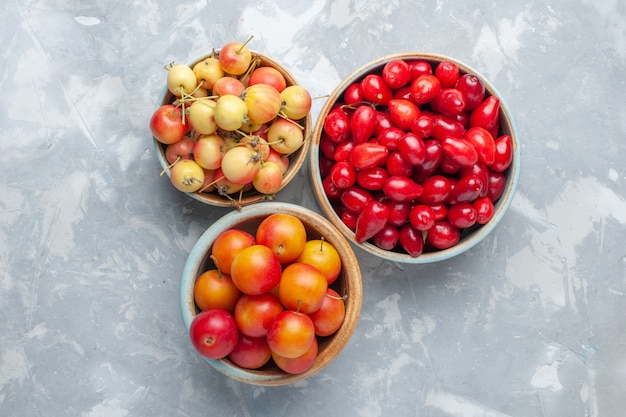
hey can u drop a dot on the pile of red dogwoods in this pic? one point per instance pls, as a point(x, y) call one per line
point(412, 154)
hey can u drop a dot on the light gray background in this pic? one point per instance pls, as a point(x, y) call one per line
point(92, 242)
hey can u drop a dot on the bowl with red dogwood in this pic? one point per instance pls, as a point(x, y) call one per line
point(415, 157)
point(232, 127)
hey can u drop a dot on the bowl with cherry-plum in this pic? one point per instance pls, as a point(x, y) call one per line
point(231, 128)
point(270, 294)
point(415, 157)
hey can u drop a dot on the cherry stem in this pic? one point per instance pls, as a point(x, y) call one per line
point(168, 167)
point(334, 297)
point(246, 43)
point(253, 65)
point(211, 184)
point(354, 106)
point(217, 265)
point(284, 116)
point(181, 89)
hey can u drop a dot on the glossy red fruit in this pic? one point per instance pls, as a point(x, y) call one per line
point(462, 215)
point(412, 149)
point(343, 174)
point(374, 90)
point(411, 240)
point(372, 178)
point(422, 217)
point(425, 88)
point(397, 165)
point(472, 89)
point(434, 155)
point(325, 165)
point(436, 190)
point(371, 220)
point(327, 146)
point(383, 122)
point(503, 153)
point(484, 209)
point(449, 102)
point(448, 165)
point(362, 123)
point(367, 155)
point(466, 189)
point(355, 198)
point(353, 95)
point(349, 219)
point(448, 73)
point(483, 142)
point(440, 210)
point(343, 150)
point(396, 73)
point(446, 126)
point(403, 92)
point(481, 171)
point(496, 186)
point(398, 212)
point(423, 125)
point(463, 118)
point(461, 151)
point(330, 189)
point(337, 125)
point(403, 112)
point(419, 67)
point(400, 188)
point(390, 137)
point(486, 114)
point(443, 235)
point(387, 238)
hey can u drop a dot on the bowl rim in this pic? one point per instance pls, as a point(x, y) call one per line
point(195, 261)
point(501, 206)
point(250, 198)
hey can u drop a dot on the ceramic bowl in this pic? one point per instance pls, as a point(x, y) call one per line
point(296, 159)
point(471, 236)
point(347, 284)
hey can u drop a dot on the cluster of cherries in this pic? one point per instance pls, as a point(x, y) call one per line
point(271, 296)
point(412, 154)
point(232, 125)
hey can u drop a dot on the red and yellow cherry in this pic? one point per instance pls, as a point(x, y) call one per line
point(214, 333)
point(302, 287)
point(299, 364)
point(235, 58)
point(330, 316)
point(167, 124)
point(291, 334)
point(256, 269)
point(214, 289)
point(255, 313)
point(250, 352)
point(284, 234)
point(323, 256)
point(227, 245)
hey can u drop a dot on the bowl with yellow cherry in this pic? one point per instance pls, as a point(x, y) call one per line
point(232, 127)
